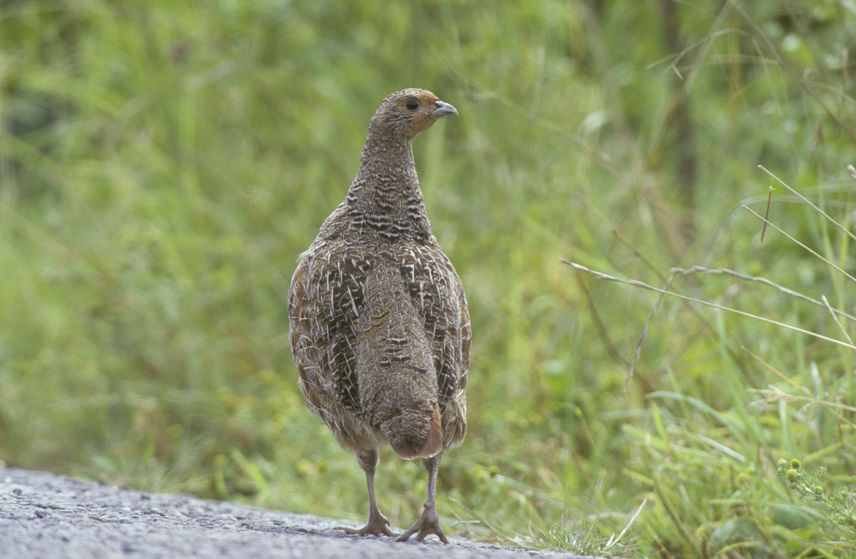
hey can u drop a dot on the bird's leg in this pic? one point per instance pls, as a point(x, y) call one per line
point(429, 522)
point(377, 524)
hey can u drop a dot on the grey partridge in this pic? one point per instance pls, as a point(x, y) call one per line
point(380, 330)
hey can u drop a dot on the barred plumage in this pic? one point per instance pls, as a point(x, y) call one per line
point(380, 330)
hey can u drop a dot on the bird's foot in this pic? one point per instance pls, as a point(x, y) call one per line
point(377, 525)
point(428, 523)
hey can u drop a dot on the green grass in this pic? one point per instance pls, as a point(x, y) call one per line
point(162, 165)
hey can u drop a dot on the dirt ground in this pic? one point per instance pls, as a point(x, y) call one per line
point(47, 516)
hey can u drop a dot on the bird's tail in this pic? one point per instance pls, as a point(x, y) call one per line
point(395, 370)
point(407, 444)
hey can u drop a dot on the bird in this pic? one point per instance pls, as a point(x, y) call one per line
point(379, 325)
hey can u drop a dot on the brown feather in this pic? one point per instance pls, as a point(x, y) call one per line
point(434, 443)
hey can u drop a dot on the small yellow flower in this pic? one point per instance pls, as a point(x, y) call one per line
point(305, 468)
point(481, 473)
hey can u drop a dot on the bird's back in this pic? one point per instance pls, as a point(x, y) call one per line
point(380, 333)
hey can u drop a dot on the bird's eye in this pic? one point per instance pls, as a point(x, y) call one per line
point(412, 104)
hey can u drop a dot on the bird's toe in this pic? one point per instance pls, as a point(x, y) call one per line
point(378, 526)
point(428, 523)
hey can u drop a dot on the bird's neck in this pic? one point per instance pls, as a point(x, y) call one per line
point(385, 195)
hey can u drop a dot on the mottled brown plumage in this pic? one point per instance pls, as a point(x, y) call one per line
point(380, 330)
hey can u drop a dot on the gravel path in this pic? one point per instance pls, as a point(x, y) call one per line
point(47, 516)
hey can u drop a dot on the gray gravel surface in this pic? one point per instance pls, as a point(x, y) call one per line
point(44, 515)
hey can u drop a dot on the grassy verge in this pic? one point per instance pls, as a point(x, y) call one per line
point(719, 476)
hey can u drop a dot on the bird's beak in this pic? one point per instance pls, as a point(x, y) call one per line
point(443, 109)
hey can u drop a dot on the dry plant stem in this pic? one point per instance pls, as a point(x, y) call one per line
point(809, 202)
point(802, 245)
point(705, 253)
point(712, 271)
point(638, 353)
point(643, 285)
point(615, 539)
point(766, 214)
point(668, 281)
point(777, 372)
point(835, 318)
point(760, 33)
point(599, 326)
point(765, 281)
point(774, 394)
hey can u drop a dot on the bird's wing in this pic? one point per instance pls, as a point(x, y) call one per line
point(466, 332)
point(437, 293)
point(323, 303)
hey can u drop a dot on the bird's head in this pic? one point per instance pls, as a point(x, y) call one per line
point(408, 112)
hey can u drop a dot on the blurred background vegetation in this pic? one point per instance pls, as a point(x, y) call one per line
point(163, 163)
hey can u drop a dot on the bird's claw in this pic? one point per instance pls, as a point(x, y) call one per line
point(428, 523)
point(377, 526)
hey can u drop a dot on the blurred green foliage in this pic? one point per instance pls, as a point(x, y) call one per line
point(162, 164)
